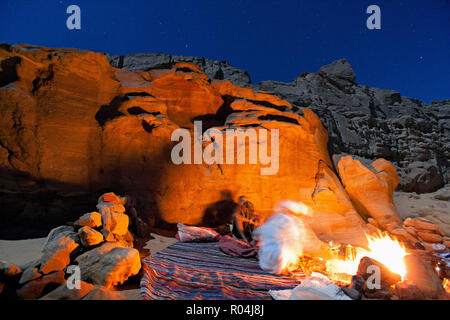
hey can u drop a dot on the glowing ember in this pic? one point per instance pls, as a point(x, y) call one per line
point(382, 248)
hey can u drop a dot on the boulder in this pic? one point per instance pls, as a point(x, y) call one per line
point(111, 197)
point(408, 291)
point(90, 219)
point(100, 293)
point(39, 287)
point(421, 224)
point(108, 265)
point(61, 244)
point(114, 222)
point(90, 237)
point(64, 293)
point(104, 207)
point(429, 237)
point(371, 189)
point(404, 235)
point(8, 270)
point(423, 275)
point(29, 274)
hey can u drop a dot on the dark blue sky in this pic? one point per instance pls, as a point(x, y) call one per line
point(274, 40)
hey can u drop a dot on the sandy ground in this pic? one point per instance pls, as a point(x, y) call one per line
point(434, 206)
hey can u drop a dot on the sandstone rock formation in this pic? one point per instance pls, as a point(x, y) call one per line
point(153, 61)
point(109, 265)
point(368, 122)
point(376, 123)
point(73, 124)
point(371, 189)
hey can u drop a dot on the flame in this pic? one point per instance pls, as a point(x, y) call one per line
point(381, 247)
point(446, 285)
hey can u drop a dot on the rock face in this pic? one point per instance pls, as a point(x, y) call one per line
point(219, 70)
point(108, 264)
point(363, 121)
point(376, 123)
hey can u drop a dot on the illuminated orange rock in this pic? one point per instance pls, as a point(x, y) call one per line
point(90, 219)
point(61, 243)
point(108, 265)
point(37, 288)
point(64, 293)
point(371, 190)
point(186, 95)
point(227, 88)
point(423, 275)
point(90, 237)
point(48, 114)
point(75, 124)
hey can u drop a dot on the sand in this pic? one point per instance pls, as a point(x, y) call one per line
point(426, 205)
point(21, 252)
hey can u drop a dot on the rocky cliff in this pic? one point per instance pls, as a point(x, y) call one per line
point(74, 124)
point(362, 121)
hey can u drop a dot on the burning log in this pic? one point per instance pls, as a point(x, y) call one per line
point(424, 276)
point(387, 277)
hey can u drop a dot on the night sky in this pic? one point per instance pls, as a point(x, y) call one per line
point(272, 40)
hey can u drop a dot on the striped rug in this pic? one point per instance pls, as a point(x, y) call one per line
point(202, 271)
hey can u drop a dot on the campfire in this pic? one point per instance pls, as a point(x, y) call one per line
point(396, 272)
point(382, 248)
